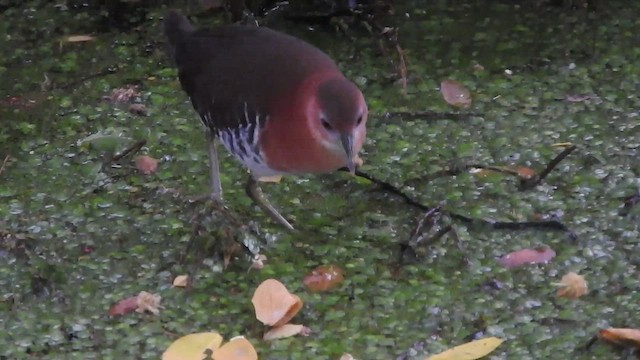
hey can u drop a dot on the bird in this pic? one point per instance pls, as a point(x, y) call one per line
point(279, 105)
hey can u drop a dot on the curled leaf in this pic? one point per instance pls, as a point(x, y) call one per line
point(285, 331)
point(621, 336)
point(238, 348)
point(274, 304)
point(193, 346)
point(527, 256)
point(323, 278)
point(455, 93)
point(573, 286)
point(181, 281)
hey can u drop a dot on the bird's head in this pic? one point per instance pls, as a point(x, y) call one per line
point(339, 118)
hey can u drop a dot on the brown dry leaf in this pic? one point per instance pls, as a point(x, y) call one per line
point(455, 93)
point(193, 346)
point(573, 286)
point(285, 331)
point(148, 302)
point(181, 281)
point(79, 38)
point(469, 351)
point(527, 256)
point(323, 278)
point(621, 336)
point(274, 304)
point(124, 306)
point(138, 109)
point(237, 348)
point(146, 164)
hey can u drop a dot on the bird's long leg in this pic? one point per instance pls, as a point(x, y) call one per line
point(255, 193)
point(214, 167)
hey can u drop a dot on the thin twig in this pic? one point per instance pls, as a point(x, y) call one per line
point(497, 225)
point(130, 150)
point(431, 115)
point(4, 164)
point(107, 71)
point(553, 163)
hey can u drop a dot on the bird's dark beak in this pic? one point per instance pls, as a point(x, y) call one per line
point(347, 144)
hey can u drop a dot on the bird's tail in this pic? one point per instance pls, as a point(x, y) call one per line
point(176, 26)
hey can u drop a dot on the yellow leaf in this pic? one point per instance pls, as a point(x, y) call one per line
point(193, 346)
point(79, 38)
point(469, 351)
point(237, 348)
point(562, 144)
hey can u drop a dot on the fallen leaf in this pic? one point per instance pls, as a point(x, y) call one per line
point(124, 94)
point(181, 281)
point(469, 351)
point(237, 348)
point(455, 93)
point(138, 109)
point(562, 144)
point(621, 336)
point(146, 164)
point(148, 302)
point(573, 286)
point(524, 172)
point(79, 38)
point(527, 256)
point(193, 346)
point(323, 278)
point(124, 306)
point(285, 331)
point(274, 304)
point(258, 262)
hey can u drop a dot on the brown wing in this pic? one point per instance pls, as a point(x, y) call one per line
point(234, 73)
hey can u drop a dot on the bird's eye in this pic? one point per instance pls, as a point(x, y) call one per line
point(359, 121)
point(326, 124)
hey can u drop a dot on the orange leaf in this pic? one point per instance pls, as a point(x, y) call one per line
point(455, 93)
point(237, 348)
point(573, 286)
point(274, 304)
point(527, 256)
point(621, 336)
point(525, 173)
point(323, 278)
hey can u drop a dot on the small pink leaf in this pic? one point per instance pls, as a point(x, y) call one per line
point(455, 93)
point(527, 256)
point(146, 164)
